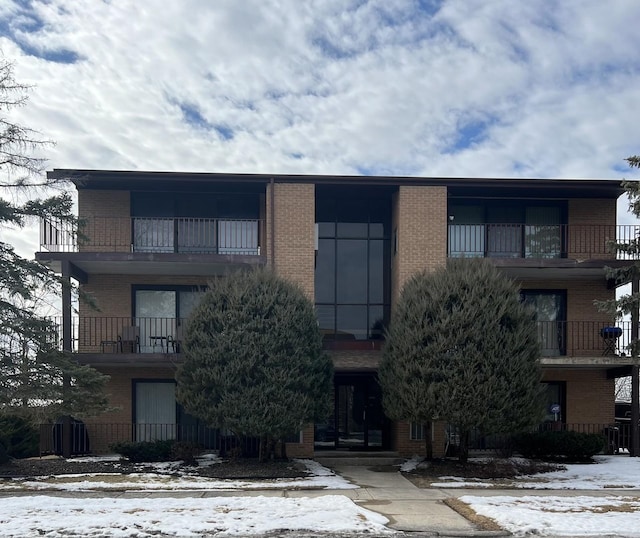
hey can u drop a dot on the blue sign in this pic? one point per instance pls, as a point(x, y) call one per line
point(555, 408)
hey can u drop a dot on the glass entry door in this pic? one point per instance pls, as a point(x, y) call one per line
point(358, 422)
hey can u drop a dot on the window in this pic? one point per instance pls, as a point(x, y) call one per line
point(195, 222)
point(416, 432)
point(549, 308)
point(507, 229)
point(555, 401)
point(159, 312)
point(352, 267)
point(154, 410)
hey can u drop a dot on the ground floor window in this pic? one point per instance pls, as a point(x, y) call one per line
point(157, 415)
point(416, 433)
point(154, 410)
point(555, 401)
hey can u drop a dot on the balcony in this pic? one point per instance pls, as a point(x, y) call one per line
point(155, 235)
point(145, 335)
point(540, 241)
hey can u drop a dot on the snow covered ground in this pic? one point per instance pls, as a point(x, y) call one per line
point(170, 476)
point(613, 508)
point(608, 472)
point(580, 515)
point(617, 514)
point(61, 516)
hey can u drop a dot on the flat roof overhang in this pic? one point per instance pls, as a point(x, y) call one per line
point(557, 268)
point(457, 186)
point(141, 263)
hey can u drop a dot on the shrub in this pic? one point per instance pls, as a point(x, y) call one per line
point(568, 445)
point(4, 455)
point(186, 451)
point(18, 438)
point(144, 451)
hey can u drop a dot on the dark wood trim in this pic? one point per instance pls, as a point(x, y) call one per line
point(596, 188)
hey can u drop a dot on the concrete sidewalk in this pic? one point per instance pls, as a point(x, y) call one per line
point(407, 507)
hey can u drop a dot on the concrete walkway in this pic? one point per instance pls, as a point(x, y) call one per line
point(407, 507)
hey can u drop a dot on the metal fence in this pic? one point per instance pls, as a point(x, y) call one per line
point(617, 435)
point(540, 241)
point(88, 438)
point(106, 334)
point(189, 235)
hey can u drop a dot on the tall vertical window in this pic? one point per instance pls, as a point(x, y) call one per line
point(352, 267)
point(159, 311)
point(550, 313)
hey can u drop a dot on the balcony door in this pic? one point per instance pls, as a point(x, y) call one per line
point(159, 312)
point(550, 313)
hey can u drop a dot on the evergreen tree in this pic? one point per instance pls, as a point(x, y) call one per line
point(629, 303)
point(254, 362)
point(462, 348)
point(37, 381)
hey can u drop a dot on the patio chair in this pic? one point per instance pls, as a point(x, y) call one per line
point(129, 339)
point(176, 341)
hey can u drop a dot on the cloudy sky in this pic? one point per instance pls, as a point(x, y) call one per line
point(489, 88)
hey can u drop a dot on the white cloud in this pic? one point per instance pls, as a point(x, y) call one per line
point(473, 88)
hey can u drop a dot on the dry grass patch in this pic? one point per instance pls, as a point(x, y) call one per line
point(483, 522)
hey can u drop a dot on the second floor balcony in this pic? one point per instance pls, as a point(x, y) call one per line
point(145, 335)
point(580, 241)
point(187, 235)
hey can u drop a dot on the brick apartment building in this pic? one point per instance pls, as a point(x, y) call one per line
point(150, 241)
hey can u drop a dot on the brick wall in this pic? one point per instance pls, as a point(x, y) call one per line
point(590, 395)
point(303, 449)
point(406, 447)
point(294, 223)
point(419, 222)
point(107, 216)
point(112, 293)
point(591, 225)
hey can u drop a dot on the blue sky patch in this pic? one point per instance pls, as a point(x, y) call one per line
point(331, 50)
point(193, 117)
point(470, 133)
point(29, 22)
point(225, 132)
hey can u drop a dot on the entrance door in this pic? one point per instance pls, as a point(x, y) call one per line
point(358, 422)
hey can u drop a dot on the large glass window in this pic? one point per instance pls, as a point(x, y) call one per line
point(352, 267)
point(506, 229)
point(549, 308)
point(155, 410)
point(159, 314)
point(195, 222)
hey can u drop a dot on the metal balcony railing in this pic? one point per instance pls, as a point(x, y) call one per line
point(580, 241)
point(97, 438)
point(187, 235)
point(165, 335)
point(125, 334)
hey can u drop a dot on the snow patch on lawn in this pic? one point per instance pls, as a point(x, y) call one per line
point(61, 516)
point(566, 516)
point(607, 472)
point(176, 477)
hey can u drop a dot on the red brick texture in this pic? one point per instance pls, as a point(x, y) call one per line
point(294, 231)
